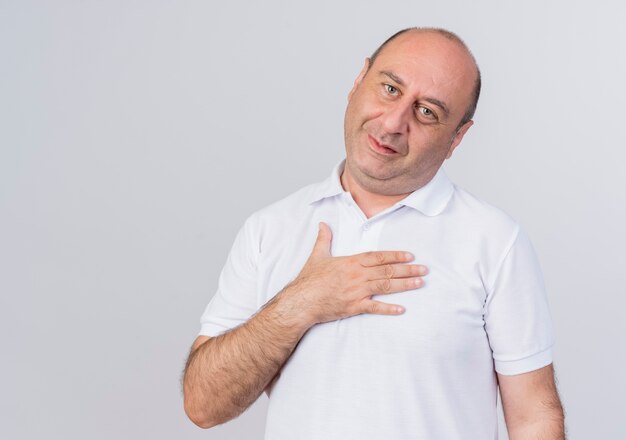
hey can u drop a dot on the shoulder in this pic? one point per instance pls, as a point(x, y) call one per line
point(490, 225)
point(284, 213)
point(480, 213)
point(494, 235)
point(295, 202)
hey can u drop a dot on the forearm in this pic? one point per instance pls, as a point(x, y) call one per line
point(532, 406)
point(226, 374)
point(543, 430)
point(550, 426)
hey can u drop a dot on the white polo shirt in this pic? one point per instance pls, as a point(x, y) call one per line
point(426, 374)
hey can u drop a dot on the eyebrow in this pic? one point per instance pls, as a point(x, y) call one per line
point(442, 105)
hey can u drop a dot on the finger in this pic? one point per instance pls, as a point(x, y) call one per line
point(380, 287)
point(379, 258)
point(373, 307)
point(324, 240)
point(388, 271)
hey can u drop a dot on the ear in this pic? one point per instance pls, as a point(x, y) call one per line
point(458, 137)
point(358, 80)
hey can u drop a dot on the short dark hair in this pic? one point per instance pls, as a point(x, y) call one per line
point(469, 113)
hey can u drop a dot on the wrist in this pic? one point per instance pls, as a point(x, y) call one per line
point(290, 311)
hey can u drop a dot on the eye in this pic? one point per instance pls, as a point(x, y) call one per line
point(426, 112)
point(390, 89)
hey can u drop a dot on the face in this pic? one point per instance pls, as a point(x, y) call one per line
point(403, 114)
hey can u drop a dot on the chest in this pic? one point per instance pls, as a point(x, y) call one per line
point(447, 312)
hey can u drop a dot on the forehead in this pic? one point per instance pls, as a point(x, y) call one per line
point(428, 62)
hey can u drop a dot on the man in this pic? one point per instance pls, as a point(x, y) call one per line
point(416, 299)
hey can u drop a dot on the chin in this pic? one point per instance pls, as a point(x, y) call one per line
point(381, 187)
point(371, 168)
point(371, 177)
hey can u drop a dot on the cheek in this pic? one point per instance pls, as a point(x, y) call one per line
point(426, 145)
point(363, 108)
point(351, 116)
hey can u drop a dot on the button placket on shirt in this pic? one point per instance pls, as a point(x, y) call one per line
point(370, 232)
point(371, 228)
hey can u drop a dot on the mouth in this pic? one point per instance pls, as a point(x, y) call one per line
point(381, 148)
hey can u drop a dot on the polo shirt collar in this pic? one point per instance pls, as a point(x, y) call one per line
point(331, 186)
point(430, 200)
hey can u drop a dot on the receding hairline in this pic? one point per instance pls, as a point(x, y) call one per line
point(451, 36)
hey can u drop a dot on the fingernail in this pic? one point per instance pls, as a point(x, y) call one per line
point(399, 309)
point(408, 255)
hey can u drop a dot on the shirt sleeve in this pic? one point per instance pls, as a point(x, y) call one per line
point(517, 316)
point(235, 300)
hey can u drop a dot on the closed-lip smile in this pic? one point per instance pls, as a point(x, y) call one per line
point(381, 148)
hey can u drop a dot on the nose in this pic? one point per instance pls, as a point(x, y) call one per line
point(395, 118)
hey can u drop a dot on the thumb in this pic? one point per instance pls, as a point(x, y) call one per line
point(324, 239)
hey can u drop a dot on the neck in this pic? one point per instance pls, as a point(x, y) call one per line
point(370, 203)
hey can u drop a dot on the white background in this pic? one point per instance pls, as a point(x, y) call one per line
point(136, 137)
